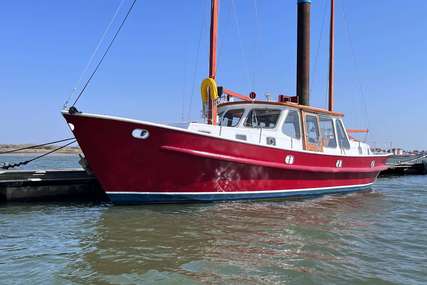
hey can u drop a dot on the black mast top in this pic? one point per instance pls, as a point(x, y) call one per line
point(303, 52)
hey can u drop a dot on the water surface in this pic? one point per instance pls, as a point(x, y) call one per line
point(372, 237)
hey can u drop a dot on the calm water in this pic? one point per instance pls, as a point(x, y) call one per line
point(374, 237)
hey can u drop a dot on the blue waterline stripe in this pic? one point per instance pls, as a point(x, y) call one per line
point(144, 198)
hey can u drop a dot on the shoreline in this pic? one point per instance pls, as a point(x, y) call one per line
point(39, 153)
point(40, 150)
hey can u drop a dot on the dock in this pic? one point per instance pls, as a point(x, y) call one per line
point(49, 185)
point(79, 185)
point(404, 165)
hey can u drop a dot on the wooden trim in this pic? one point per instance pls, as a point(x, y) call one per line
point(237, 95)
point(309, 146)
point(287, 104)
point(303, 132)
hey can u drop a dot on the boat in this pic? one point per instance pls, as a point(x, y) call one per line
point(244, 149)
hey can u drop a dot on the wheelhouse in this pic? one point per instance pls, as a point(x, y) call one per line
point(284, 125)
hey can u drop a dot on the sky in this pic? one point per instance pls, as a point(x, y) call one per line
point(155, 67)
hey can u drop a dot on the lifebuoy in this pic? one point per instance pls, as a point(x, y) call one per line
point(209, 86)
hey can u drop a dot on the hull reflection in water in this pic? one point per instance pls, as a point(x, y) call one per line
point(244, 243)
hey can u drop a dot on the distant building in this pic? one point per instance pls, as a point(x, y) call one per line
point(378, 150)
point(397, 151)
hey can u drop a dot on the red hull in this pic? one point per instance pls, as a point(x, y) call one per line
point(176, 161)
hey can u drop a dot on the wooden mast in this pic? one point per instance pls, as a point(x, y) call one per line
point(331, 57)
point(212, 107)
point(213, 38)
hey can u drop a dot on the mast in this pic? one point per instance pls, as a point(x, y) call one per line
point(331, 57)
point(212, 108)
point(303, 52)
point(213, 39)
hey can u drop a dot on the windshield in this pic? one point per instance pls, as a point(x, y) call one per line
point(291, 126)
point(312, 129)
point(328, 132)
point(262, 118)
point(231, 118)
point(342, 138)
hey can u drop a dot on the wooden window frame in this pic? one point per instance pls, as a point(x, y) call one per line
point(309, 146)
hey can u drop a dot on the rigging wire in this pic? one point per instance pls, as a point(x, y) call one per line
point(196, 66)
point(239, 36)
point(105, 52)
point(221, 36)
point(13, 165)
point(100, 41)
point(257, 41)
point(356, 67)
point(183, 91)
point(316, 58)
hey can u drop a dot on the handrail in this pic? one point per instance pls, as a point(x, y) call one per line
point(355, 131)
point(237, 95)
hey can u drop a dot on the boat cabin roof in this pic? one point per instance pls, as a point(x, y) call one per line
point(286, 104)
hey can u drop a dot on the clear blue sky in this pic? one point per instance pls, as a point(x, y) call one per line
point(153, 68)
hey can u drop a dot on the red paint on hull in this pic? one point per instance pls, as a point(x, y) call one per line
point(173, 160)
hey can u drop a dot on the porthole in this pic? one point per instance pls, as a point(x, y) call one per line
point(338, 164)
point(289, 159)
point(140, 134)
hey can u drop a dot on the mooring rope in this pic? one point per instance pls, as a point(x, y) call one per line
point(13, 165)
point(35, 146)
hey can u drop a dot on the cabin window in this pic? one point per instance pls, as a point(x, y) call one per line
point(342, 138)
point(328, 132)
point(312, 129)
point(220, 114)
point(291, 126)
point(232, 118)
point(262, 118)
